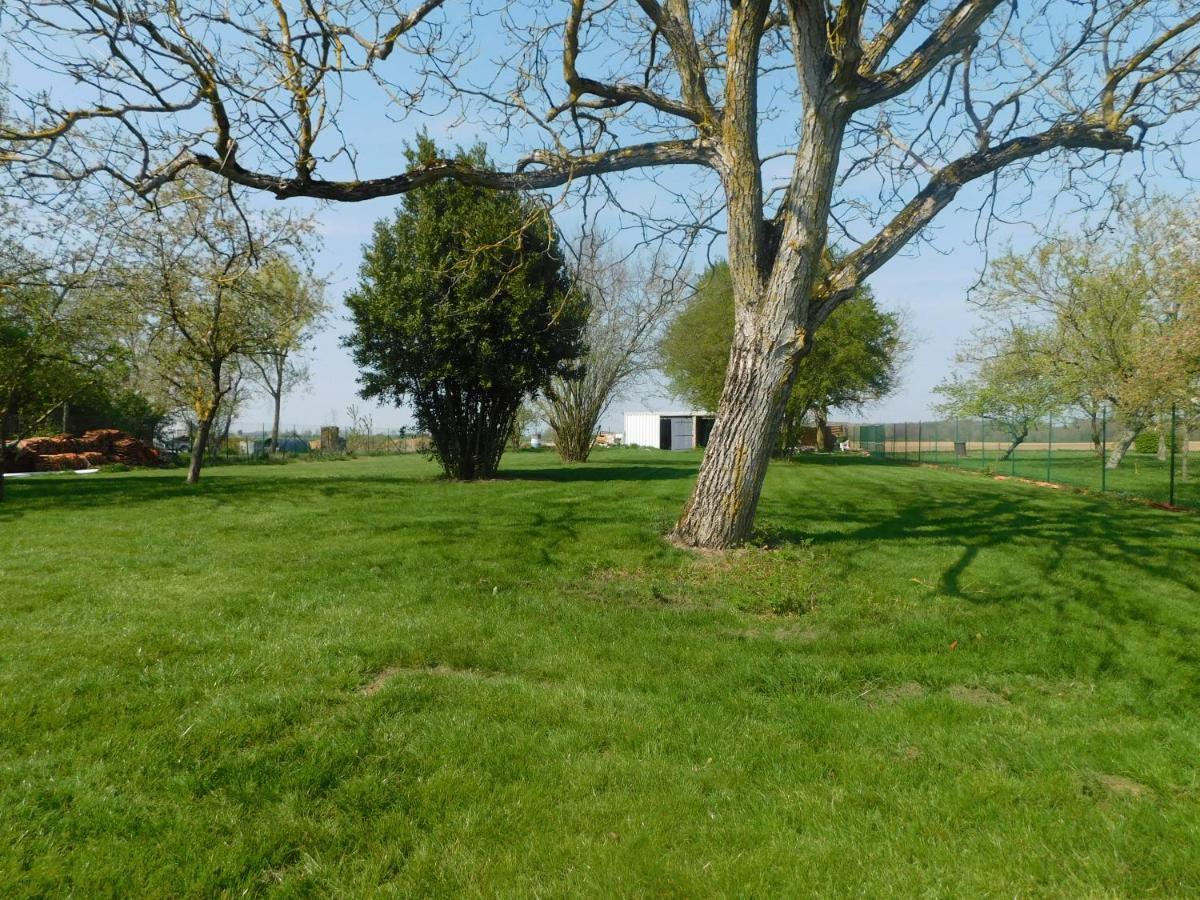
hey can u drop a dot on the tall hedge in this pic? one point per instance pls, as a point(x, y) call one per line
point(464, 309)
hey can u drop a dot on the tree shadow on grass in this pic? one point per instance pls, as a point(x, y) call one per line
point(1042, 530)
point(601, 472)
point(83, 493)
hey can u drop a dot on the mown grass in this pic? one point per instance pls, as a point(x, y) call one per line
point(352, 678)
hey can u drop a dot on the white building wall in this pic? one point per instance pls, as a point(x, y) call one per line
point(641, 428)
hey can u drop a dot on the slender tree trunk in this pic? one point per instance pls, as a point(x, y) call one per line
point(66, 417)
point(200, 445)
point(225, 427)
point(3, 450)
point(1097, 436)
point(575, 429)
point(1017, 441)
point(573, 444)
point(1187, 440)
point(277, 396)
point(825, 441)
point(1162, 443)
point(1122, 447)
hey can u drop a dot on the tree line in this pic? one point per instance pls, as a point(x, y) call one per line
point(147, 315)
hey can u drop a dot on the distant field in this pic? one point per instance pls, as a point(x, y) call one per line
point(353, 678)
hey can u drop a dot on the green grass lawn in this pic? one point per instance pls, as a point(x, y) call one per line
point(353, 678)
point(1140, 475)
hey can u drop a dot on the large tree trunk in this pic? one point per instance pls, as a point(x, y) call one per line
point(1097, 434)
point(771, 328)
point(200, 445)
point(720, 512)
point(1122, 447)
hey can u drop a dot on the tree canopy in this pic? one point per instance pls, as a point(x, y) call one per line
point(853, 361)
point(1010, 381)
point(199, 268)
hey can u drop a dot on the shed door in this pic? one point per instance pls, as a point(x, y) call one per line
point(664, 434)
point(681, 433)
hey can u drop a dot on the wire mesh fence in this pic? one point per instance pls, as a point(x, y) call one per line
point(1159, 464)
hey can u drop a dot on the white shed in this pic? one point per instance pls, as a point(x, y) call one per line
point(668, 430)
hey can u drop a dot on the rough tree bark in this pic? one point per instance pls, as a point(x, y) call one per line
point(771, 314)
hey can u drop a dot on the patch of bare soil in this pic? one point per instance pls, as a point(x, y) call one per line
point(977, 696)
point(792, 633)
point(1125, 787)
point(380, 680)
point(897, 693)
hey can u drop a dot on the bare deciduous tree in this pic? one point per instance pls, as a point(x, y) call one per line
point(629, 299)
point(886, 110)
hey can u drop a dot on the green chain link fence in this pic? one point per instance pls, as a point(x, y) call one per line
point(1160, 464)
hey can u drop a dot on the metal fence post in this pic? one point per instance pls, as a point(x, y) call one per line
point(982, 444)
point(919, 426)
point(1174, 419)
point(1103, 448)
point(1049, 443)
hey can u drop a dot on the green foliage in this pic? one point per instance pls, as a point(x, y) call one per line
point(54, 346)
point(853, 360)
point(464, 309)
point(1146, 442)
point(111, 405)
point(1009, 380)
point(438, 689)
point(695, 346)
